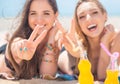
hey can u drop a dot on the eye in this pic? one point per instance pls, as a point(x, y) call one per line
point(46, 13)
point(81, 17)
point(95, 12)
point(32, 13)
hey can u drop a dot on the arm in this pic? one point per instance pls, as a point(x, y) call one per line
point(103, 63)
point(48, 65)
point(116, 45)
point(104, 59)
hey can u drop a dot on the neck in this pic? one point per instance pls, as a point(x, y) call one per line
point(94, 48)
point(93, 42)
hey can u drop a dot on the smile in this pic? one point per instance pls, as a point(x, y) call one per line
point(41, 26)
point(92, 27)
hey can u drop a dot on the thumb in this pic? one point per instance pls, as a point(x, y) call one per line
point(60, 44)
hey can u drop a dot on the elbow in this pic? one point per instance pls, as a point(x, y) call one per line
point(101, 77)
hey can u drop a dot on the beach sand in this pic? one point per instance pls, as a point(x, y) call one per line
point(6, 26)
point(40, 81)
point(36, 81)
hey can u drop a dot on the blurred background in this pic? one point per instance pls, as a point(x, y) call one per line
point(9, 10)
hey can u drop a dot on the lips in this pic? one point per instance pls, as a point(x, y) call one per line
point(41, 26)
point(92, 27)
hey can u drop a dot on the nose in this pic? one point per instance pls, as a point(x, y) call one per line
point(39, 20)
point(88, 17)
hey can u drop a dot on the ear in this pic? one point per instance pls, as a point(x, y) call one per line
point(56, 15)
point(105, 16)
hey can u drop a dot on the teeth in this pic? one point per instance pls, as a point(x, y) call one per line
point(90, 26)
point(41, 26)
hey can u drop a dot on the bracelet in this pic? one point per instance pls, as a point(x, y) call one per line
point(49, 46)
point(46, 53)
point(52, 48)
point(49, 61)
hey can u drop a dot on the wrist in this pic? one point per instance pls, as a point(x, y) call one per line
point(105, 43)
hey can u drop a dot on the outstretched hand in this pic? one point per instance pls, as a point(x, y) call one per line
point(69, 40)
point(60, 33)
point(27, 47)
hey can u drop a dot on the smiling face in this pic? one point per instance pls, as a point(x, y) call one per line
point(91, 19)
point(42, 14)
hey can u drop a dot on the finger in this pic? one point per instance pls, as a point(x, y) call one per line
point(70, 41)
point(54, 24)
point(53, 32)
point(60, 44)
point(72, 29)
point(104, 31)
point(110, 28)
point(59, 26)
point(19, 49)
point(22, 45)
point(40, 37)
point(34, 33)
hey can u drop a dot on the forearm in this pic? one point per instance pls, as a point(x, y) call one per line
point(48, 65)
point(103, 63)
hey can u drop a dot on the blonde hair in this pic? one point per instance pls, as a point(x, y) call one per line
point(81, 35)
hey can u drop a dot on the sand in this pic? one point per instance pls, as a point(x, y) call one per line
point(40, 81)
point(36, 81)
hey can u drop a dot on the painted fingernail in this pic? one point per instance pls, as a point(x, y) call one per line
point(20, 49)
point(25, 48)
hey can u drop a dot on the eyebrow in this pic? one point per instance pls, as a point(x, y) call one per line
point(43, 11)
point(31, 11)
point(89, 10)
point(47, 11)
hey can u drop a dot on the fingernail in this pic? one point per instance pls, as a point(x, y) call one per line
point(20, 49)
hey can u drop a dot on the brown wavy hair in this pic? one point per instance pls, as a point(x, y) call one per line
point(27, 69)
